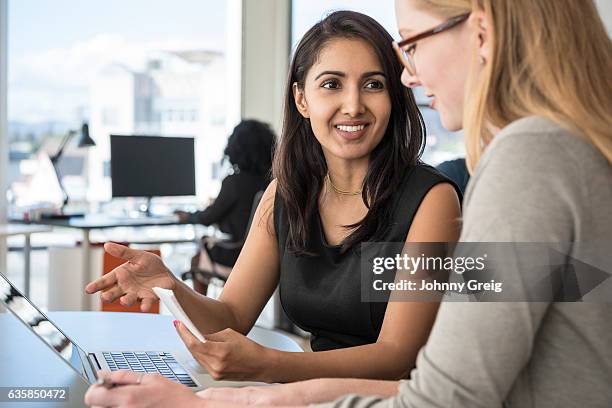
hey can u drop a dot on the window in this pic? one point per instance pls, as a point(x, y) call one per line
point(120, 66)
point(441, 144)
point(128, 67)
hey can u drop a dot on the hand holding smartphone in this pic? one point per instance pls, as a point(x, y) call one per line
point(171, 302)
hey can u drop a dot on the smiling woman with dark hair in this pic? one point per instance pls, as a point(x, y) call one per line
point(356, 135)
point(347, 171)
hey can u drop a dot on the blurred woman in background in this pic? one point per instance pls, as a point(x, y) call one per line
point(249, 150)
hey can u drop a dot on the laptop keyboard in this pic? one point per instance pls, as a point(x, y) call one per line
point(151, 362)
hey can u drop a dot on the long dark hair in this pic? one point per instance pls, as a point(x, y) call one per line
point(299, 165)
point(250, 147)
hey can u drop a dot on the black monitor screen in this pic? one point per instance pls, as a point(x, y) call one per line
point(152, 166)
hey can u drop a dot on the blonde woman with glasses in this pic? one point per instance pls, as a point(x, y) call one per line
point(530, 83)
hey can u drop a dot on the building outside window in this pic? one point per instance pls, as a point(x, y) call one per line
point(147, 67)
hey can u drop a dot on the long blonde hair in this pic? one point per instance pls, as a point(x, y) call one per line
point(551, 58)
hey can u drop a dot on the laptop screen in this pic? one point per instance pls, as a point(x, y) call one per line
point(39, 324)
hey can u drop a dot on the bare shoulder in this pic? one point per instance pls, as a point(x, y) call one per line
point(270, 191)
point(265, 210)
point(441, 197)
point(438, 218)
point(267, 199)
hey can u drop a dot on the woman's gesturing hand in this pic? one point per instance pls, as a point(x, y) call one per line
point(133, 280)
point(228, 355)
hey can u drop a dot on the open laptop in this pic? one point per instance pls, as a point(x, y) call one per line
point(180, 369)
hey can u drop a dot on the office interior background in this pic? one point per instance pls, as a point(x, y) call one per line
point(181, 68)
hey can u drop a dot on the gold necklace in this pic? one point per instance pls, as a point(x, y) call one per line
point(343, 192)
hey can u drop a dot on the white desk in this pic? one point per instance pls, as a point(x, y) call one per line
point(7, 230)
point(26, 361)
point(94, 222)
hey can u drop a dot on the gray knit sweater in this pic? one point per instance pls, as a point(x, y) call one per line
point(536, 182)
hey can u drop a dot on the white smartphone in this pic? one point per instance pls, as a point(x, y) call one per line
point(171, 302)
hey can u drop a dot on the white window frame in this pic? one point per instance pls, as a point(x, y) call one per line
point(4, 156)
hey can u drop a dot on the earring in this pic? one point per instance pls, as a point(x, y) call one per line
point(482, 60)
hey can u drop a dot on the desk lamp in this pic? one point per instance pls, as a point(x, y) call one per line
point(84, 141)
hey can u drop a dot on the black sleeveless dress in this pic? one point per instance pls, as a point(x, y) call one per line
point(322, 294)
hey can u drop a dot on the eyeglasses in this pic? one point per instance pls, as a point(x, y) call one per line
point(405, 48)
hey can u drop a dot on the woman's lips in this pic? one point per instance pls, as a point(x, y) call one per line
point(432, 104)
point(351, 135)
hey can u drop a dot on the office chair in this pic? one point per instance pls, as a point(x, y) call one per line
point(201, 277)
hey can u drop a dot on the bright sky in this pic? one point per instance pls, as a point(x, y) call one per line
point(308, 12)
point(56, 47)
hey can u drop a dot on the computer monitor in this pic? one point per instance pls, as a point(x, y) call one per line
point(152, 166)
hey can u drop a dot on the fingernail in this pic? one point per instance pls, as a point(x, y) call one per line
point(176, 323)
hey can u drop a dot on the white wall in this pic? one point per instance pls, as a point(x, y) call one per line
point(266, 43)
point(605, 10)
point(233, 60)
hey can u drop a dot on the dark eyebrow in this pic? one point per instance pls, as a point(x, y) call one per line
point(337, 73)
point(342, 74)
point(372, 73)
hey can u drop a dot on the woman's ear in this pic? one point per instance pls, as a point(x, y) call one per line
point(484, 30)
point(300, 100)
